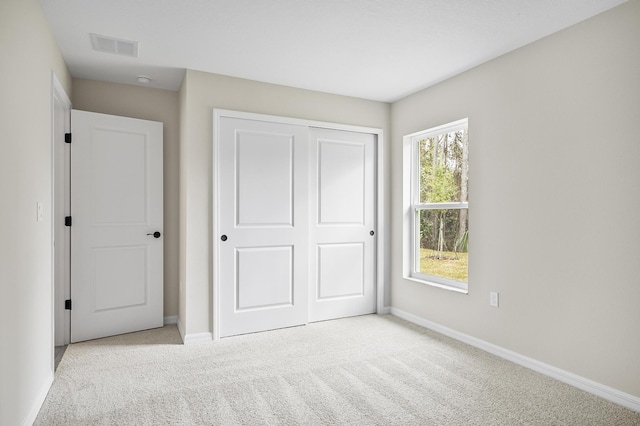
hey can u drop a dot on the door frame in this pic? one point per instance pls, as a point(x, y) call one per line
point(60, 206)
point(218, 114)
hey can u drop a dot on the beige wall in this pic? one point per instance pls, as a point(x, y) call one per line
point(200, 94)
point(554, 199)
point(29, 55)
point(148, 104)
point(554, 194)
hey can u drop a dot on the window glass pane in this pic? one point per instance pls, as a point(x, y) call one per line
point(443, 162)
point(443, 243)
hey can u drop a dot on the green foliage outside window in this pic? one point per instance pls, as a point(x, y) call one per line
point(444, 236)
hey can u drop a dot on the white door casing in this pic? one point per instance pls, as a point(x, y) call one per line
point(263, 227)
point(61, 207)
point(116, 206)
point(342, 231)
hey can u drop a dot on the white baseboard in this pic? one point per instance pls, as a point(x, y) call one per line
point(385, 311)
point(197, 337)
point(171, 320)
point(188, 339)
point(610, 394)
point(37, 404)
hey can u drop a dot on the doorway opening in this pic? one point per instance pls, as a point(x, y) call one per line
point(60, 202)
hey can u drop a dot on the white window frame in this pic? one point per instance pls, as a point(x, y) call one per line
point(412, 207)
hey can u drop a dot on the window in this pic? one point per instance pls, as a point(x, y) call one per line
point(438, 208)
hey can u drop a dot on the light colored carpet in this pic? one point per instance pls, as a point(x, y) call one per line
point(369, 370)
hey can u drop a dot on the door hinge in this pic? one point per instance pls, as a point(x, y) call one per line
point(67, 304)
point(67, 137)
point(67, 221)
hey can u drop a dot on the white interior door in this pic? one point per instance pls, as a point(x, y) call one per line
point(342, 231)
point(263, 224)
point(116, 207)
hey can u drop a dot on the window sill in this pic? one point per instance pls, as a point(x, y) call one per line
point(436, 284)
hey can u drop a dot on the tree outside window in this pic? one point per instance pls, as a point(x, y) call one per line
point(440, 205)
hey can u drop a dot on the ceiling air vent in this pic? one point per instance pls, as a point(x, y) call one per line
point(114, 45)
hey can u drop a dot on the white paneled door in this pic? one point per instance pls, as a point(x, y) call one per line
point(296, 224)
point(116, 228)
point(263, 226)
point(342, 230)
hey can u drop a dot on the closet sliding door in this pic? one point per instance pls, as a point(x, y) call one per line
point(263, 217)
point(342, 226)
point(295, 228)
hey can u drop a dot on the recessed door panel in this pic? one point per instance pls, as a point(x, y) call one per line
point(264, 278)
point(340, 270)
point(341, 182)
point(264, 178)
point(119, 180)
point(120, 277)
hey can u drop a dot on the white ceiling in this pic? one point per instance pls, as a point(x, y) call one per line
point(373, 49)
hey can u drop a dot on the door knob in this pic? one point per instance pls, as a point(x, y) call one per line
point(372, 233)
point(156, 234)
point(223, 238)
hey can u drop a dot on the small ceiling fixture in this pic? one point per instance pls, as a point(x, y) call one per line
point(143, 79)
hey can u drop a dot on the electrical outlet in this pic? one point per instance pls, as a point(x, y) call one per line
point(493, 299)
point(40, 210)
